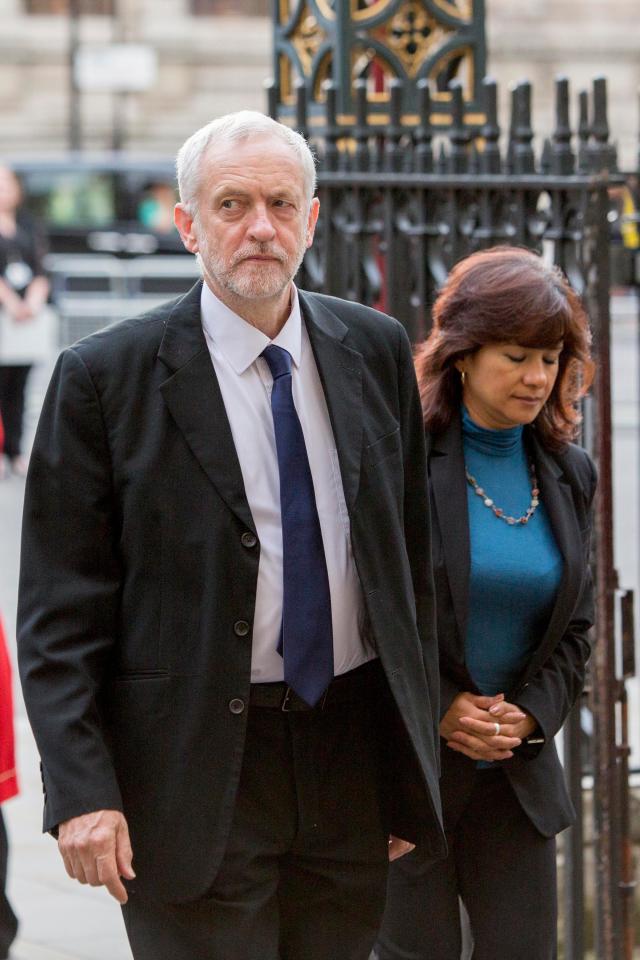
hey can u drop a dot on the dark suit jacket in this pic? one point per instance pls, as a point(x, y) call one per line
point(555, 675)
point(137, 589)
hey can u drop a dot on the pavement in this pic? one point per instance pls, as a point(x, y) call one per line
point(61, 920)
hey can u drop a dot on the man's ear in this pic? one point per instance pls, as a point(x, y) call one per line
point(185, 224)
point(314, 210)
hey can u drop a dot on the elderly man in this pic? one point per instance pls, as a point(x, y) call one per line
point(226, 614)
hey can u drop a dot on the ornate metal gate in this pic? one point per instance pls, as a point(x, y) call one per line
point(401, 201)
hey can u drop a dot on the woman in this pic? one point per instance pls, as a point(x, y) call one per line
point(23, 294)
point(500, 375)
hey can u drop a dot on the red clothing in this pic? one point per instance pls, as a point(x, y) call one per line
point(8, 773)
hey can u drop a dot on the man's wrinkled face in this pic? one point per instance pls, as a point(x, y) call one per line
point(254, 221)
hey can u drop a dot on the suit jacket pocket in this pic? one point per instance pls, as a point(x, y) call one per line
point(383, 448)
point(139, 708)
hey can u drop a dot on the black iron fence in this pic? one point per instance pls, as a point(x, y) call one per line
point(399, 207)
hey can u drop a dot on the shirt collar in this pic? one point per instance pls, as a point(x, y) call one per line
point(239, 342)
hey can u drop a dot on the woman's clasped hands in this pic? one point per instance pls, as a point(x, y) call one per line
point(485, 728)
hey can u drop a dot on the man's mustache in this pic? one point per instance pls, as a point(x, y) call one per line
point(260, 251)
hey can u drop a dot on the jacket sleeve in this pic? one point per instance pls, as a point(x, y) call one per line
point(69, 595)
point(417, 521)
point(551, 692)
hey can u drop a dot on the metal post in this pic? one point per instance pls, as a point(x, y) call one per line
point(606, 833)
point(573, 842)
point(627, 881)
point(75, 120)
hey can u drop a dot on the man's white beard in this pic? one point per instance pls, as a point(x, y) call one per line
point(252, 280)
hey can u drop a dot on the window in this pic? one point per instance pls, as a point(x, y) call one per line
point(246, 8)
point(48, 7)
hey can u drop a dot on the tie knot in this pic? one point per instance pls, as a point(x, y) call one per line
point(279, 360)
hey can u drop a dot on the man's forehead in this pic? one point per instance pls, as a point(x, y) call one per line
point(227, 153)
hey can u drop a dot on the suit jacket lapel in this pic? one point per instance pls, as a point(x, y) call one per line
point(340, 370)
point(193, 396)
point(556, 495)
point(446, 467)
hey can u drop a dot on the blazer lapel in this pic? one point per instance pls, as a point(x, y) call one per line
point(193, 396)
point(448, 483)
point(340, 370)
point(556, 495)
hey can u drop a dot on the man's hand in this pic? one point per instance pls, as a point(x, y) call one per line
point(398, 847)
point(484, 728)
point(96, 850)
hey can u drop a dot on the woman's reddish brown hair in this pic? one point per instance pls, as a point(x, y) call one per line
point(506, 295)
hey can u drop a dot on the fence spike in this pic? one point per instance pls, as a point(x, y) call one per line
point(301, 108)
point(361, 158)
point(332, 133)
point(392, 151)
point(584, 131)
point(490, 160)
point(599, 151)
point(523, 159)
point(562, 158)
point(459, 136)
point(273, 97)
point(424, 131)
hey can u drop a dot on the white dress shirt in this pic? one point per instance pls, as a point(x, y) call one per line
point(245, 383)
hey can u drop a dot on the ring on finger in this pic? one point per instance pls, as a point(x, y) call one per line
point(497, 726)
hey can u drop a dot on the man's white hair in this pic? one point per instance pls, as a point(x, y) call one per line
point(230, 129)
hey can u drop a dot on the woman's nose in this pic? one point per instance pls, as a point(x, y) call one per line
point(535, 373)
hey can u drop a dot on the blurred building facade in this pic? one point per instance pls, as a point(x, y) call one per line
point(213, 56)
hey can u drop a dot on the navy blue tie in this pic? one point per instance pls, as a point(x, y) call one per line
point(306, 634)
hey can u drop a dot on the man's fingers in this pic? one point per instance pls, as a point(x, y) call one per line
point(95, 849)
point(110, 878)
point(124, 853)
point(68, 865)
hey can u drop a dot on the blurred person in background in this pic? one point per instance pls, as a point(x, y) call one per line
point(500, 376)
point(24, 321)
point(8, 789)
point(156, 207)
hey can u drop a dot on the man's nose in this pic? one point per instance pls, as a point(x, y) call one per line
point(260, 226)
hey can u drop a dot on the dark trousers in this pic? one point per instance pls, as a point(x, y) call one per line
point(13, 381)
point(305, 868)
point(8, 919)
point(499, 865)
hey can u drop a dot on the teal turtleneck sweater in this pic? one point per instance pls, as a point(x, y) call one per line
point(515, 570)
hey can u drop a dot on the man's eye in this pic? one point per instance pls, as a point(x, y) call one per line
point(229, 204)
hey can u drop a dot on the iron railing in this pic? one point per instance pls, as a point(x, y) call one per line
point(399, 206)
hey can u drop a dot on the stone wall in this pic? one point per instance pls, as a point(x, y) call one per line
point(209, 66)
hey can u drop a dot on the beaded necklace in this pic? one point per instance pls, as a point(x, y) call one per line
point(498, 511)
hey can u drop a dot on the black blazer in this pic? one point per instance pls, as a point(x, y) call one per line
point(554, 677)
point(138, 588)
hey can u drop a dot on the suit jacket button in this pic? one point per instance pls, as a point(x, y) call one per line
point(236, 705)
point(248, 539)
point(241, 628)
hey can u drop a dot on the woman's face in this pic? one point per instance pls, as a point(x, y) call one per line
point(9, 191)
point(506, 385)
